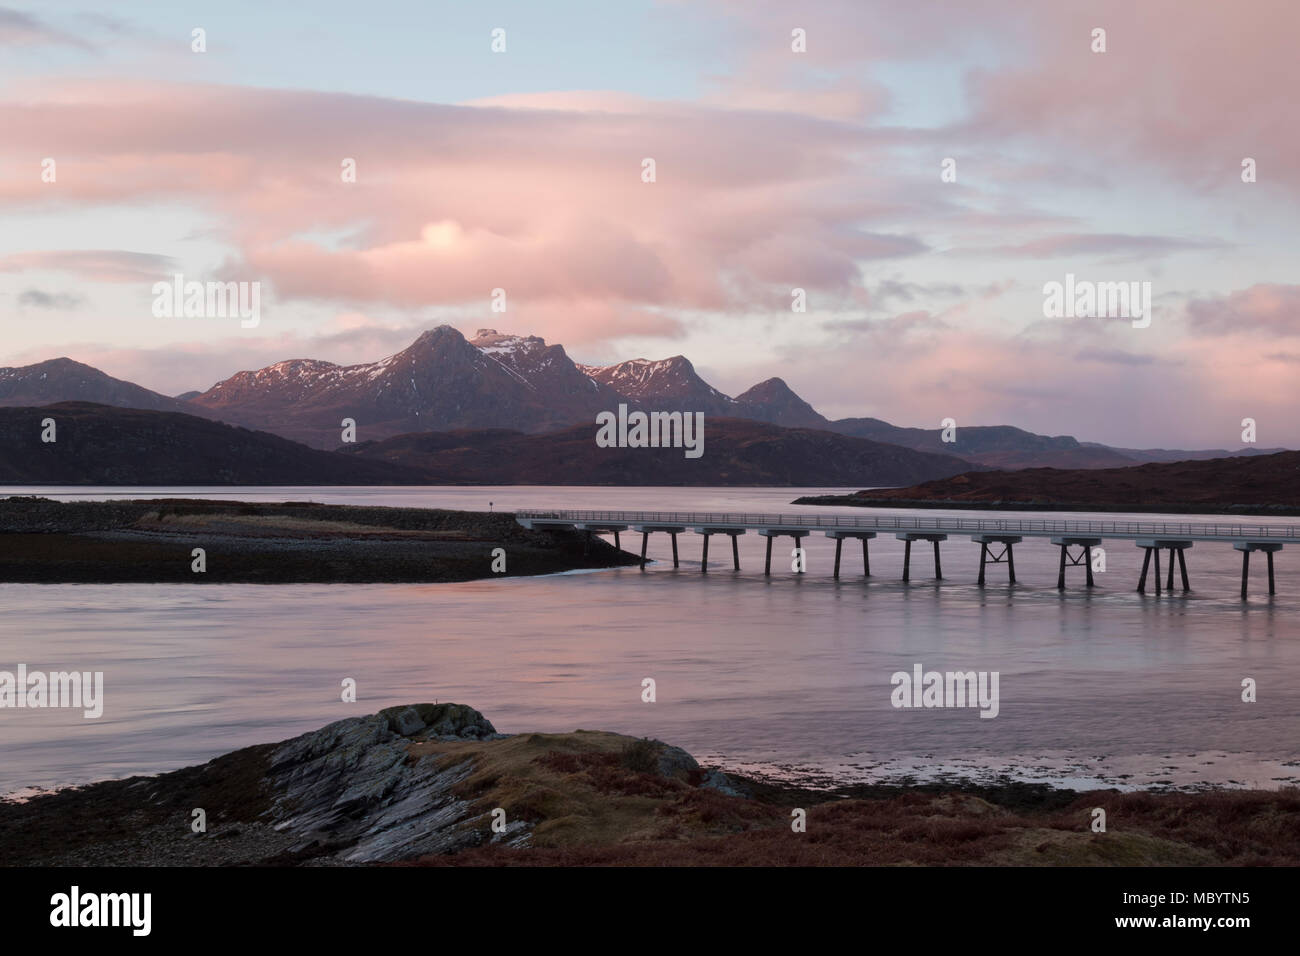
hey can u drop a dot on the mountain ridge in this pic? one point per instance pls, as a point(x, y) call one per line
point(443, 381)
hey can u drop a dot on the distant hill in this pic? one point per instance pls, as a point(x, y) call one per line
point(1249, 484)
point(101, 445)
point(736, 452)
point(774, 401)
point(999, 446)
point(1142, 455)
point(63, 380)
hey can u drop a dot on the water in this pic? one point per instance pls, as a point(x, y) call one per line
point(788, 675)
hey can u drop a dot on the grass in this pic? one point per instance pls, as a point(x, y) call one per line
point(594, 800)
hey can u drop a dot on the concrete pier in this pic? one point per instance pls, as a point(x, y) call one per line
point(649, 529)
point(839, 537)
point(1245, 547)
point(1084, 557)
point(1175, 547)
point(907, 537)
point(710, 531)
point(797, 533)
point(1007, 557)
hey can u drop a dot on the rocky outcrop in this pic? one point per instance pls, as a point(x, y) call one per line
point(411, 782)
point(354, 784)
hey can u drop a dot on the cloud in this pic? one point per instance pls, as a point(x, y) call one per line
point(95, 265)
point(1108, 244)
point(451, 202)
point(1187, 88)
point(1112, 357)
point(37, 299)
point(18, 29)
point(1266, 308)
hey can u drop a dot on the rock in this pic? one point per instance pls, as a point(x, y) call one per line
point(719, 781)
point(675, 762)
point(439, 720)
point(354, 784)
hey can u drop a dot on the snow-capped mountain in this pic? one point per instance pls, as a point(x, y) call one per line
point(495, 380)
point(547, 370)
point(672, 379)
point(444, 382)
point(441, 381)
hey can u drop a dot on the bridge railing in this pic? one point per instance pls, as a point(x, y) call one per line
point(1168, 529)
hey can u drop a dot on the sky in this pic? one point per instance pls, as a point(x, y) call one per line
point(796, 145)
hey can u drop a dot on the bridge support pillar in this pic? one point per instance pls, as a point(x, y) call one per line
point(649, 529)
point(907, 537)
point(1177, 548)
point(1245, 547)
point(1007, 556)
point(731, 531)
point(1071, 560)
point(797, 533)
point(839, 535)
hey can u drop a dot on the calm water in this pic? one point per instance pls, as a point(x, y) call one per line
point(784, 675)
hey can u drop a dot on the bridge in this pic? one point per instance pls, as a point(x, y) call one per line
point(989, 533)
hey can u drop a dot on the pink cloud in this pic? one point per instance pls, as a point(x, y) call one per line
point(452, 202)
point(97, 265)
point(1267, 308)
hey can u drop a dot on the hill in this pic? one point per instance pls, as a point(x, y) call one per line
point(1250, 484)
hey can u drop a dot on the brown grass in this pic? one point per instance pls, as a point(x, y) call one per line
point(593, 802)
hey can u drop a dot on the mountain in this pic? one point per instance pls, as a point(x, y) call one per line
point(736, 452)
point(1183, 454)
point(548, 371)
point(671, 381)
point(1246, 484)
point(775, 402)
point(999, 446)
point(440, 381)
point(101, 445)
point(496, 380)
point(63, 380)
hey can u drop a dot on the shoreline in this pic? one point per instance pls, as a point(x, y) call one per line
point(420, 785)
point(152, 541)
point(1245, 511)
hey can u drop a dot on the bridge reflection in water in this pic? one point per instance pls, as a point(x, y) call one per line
point(1076, 539)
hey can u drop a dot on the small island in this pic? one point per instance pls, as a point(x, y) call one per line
point(155, 541)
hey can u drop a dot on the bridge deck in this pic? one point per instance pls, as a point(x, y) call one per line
point(1029, 527)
